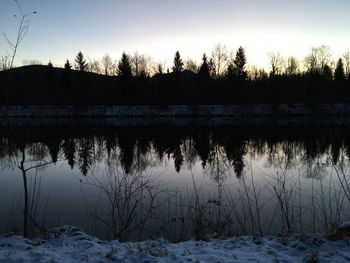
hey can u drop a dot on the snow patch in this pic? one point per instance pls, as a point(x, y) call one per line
point(70, 244)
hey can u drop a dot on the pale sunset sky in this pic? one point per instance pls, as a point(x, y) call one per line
point(158, 28)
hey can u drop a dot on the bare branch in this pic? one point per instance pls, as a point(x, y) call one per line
point(22, 31)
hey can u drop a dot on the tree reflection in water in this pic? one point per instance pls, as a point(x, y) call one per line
point(263, 177)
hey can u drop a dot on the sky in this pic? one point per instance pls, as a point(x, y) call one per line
point(158, 28)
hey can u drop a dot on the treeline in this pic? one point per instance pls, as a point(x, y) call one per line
point(221, 78)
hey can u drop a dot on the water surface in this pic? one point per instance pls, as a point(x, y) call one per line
point(176, 182)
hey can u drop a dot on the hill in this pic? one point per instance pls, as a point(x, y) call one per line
point(43, 85)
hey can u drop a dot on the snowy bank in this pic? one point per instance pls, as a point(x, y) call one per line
point(177, 115)
point(177, 110)
point(69, 244)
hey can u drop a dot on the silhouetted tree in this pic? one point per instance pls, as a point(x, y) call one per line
point(67, 65)
point(94, 66)
point(80, 62)
point(346, 57)
point(178, 64)
point(219, 57)
point(67, 78)
point(327, 72)
point(5, 62)
point(124, 66)
point(159, 69)
point(204, 70)
point(191, 65)
point(318, 58)
point(339, 73)
point(276, 63)
point(292, 66)
point(23, 28)
point(50, 83)
point(231, 71)
point(139, 65)
point(240, 62)
point(107, 65)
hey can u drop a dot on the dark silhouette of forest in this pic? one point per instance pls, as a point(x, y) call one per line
point(215, 81)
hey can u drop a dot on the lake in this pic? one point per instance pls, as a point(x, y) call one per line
point(178, 182)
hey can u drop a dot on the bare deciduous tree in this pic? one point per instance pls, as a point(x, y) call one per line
point(140, 64)
point(5, 62)
point(114, 68)
point(292, 66)
point(318, 58)
point(128, 199)
point(23, 28)
point(190, 64)
point(219, 58)
point(28, 62)
point(277, 63)
point(346, 60)
point(94, 66)
point(255, 73)
point(107, 65)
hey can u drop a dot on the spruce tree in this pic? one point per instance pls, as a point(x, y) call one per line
point(204, 70)
point(231, 71)
point(67, 65)
point(327, 72)
point(178, 64)
point(80, 62)
point(339, 73)
point(124, 66)
point(240, 62)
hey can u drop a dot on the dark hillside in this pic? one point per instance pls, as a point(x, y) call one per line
point(44, 85)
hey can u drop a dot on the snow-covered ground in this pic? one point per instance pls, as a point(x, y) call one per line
point(70, 244)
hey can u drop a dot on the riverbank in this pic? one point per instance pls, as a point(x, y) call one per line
point(70, 244)
point(180, 115)
point(177, 110)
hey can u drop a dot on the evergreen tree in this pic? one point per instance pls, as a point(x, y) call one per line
point(50, 64)
point(231, 71)
point(80, 62)
point(327, 72)
point(124, 66)
point(67, 65)
point(204, 70)
point(339, 73)
point(240, 62)
point(67, 75)
point(178, 64)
